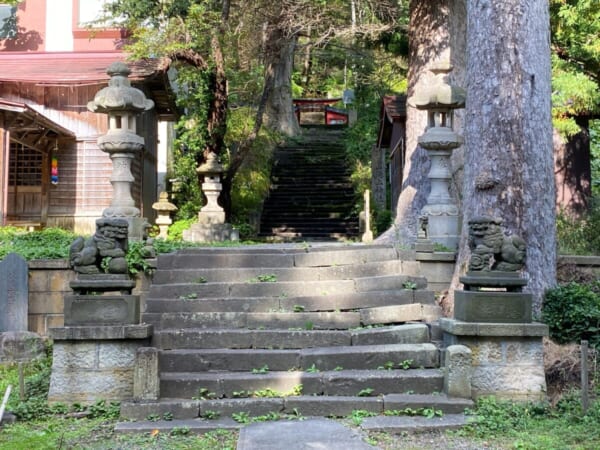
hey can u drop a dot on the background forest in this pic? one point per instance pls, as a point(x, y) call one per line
point(243, 62)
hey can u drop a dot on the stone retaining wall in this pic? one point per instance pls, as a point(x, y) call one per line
point(48, 284)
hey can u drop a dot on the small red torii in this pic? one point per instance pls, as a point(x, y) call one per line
point(332, 116)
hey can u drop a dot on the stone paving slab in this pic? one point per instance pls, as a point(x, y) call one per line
point(400, 424)
point(197, 426)
point(310, 434)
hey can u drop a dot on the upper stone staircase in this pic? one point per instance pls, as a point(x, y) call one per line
point(311, 196)
point(320, 330)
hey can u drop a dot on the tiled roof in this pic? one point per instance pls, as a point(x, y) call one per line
point(70, 67)
point(394, 106)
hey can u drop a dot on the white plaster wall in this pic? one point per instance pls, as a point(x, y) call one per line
point(59, 25)
point(161, 155)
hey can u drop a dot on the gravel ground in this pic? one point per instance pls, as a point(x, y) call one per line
point(430, 441)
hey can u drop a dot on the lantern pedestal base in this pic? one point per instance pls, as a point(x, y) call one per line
point(210, 233)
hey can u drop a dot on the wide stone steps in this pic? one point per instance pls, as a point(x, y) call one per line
point(320, 320)
point(281, 384)
point(314, 167)
point(178, 338)
point(303, 405)
point(354, 383)
point(293, 330)
point(320, 302)
point(277, 256)
point(389, 424)
point(318, 358)
point(391, 268)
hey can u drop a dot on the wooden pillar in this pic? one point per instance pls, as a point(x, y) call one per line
point(45, 188)
point(4, 166)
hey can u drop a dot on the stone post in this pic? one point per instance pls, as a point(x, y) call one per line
point(146, 379)
point(457, 374)
point(440, 100)
point(122, 103)
point(367, 236)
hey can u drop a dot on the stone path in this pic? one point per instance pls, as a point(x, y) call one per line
point(309, 434)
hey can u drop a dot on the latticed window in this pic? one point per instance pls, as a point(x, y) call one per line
point(25, 166)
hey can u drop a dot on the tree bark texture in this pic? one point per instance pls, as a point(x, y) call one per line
point(436, 31)
point(279, 64)
point(509, 171)
point(573, 170)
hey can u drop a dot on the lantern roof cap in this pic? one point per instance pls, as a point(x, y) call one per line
point(211, 165)
point(440, 94)
point(119, 95)
point(163, 203)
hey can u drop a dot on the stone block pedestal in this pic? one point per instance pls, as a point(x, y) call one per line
point(215, 232)
point(492, 307)
point(101, 309)
point(93, 363)
point(507, 358)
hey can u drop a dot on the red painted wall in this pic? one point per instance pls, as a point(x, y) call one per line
point(31, 37)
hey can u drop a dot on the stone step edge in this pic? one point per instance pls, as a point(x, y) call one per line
point(409, 333)
point(414, 424)
point(387, 424)
point(332, 351)
point(337, 406)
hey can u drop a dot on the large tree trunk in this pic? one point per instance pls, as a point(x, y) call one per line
point(573, 170)
point(508, 169)
point(279, 64)
point(428, 42)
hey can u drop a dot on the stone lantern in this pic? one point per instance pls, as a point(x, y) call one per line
point(123, 104)
point(163, 208)
point(440, 99)
point(211, 226)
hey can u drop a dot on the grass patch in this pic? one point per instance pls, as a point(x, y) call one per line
point(536, 426)
point(59, 432)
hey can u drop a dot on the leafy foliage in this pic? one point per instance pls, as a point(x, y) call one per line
point(252, 181)
point(579, 235)
point(572, 312)
point(493, 417)
point(50, 243)
point(535, 426)
point(575, 25)
point(573, 93)
point(595, 157)
point(37, 382)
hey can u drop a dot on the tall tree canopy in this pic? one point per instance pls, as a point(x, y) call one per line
point(235, 40)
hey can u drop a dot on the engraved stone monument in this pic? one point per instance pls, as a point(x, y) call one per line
point(14, 293)
point(16, 343)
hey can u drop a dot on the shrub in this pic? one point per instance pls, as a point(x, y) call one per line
point(50, 243)
point(176, 230)
point(572, 312)
point(579, 235)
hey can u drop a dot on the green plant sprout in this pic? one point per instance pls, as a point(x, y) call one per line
point(261, 370)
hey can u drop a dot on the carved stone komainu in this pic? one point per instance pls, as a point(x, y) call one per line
point(491, 249)
point(104, 252)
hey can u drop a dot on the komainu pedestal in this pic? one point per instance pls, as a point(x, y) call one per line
point(95, 354)
point(492, 317)
point(478, 303)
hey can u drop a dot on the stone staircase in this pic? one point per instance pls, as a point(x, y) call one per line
point(311, 197)
point(291, 329)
